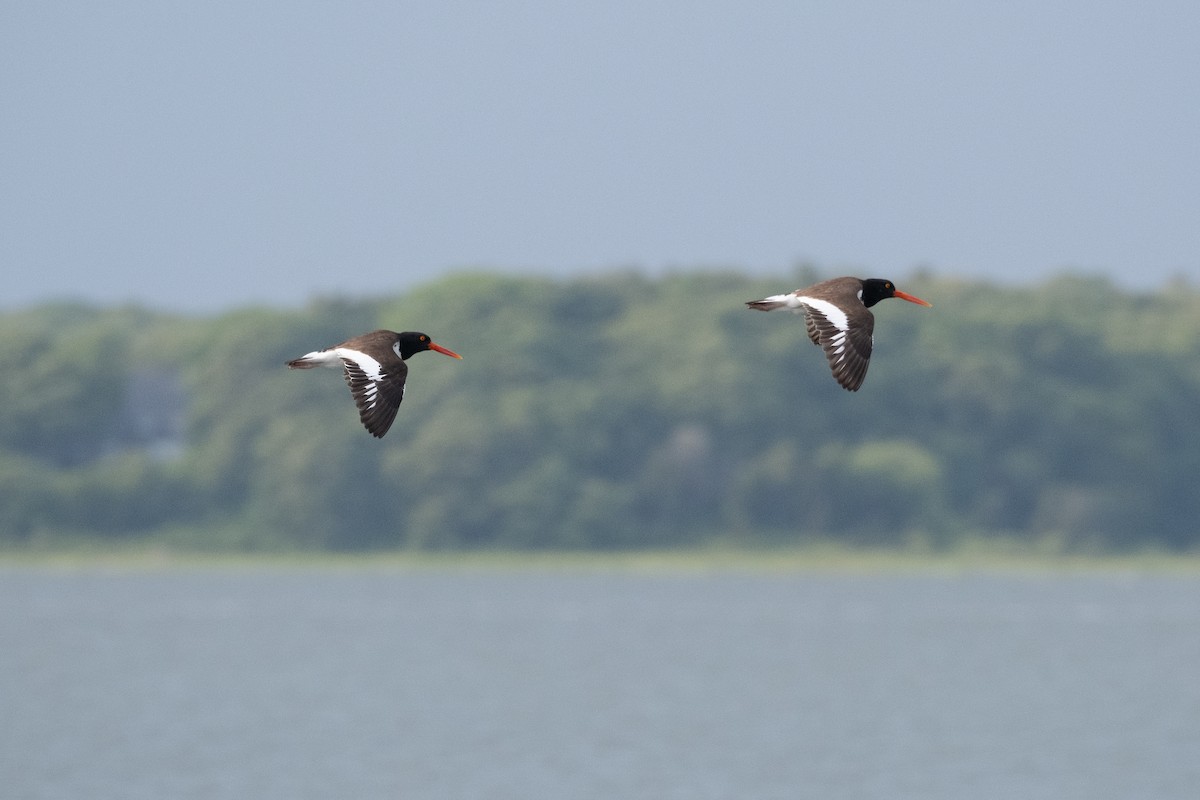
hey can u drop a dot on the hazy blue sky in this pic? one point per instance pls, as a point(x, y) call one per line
point(207, 154)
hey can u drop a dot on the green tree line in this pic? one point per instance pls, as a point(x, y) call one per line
point(613, 412)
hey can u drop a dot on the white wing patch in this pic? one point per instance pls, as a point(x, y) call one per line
point(835, 315)
point(837, 345)
point(370, 394)
point(370, 367)
point(377, 390)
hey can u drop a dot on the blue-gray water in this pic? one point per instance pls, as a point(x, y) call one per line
point(289, 683)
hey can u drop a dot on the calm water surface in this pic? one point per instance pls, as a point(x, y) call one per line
point(257, 682)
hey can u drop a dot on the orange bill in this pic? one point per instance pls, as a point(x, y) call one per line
point(911, 299)
point(446, 352)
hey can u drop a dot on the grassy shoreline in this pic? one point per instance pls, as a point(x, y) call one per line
point(806, 558)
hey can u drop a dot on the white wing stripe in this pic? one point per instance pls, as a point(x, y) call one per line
point(835, 315)
point(370, 367)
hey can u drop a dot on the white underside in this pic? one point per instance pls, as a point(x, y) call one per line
point(788, 301)
point(322, 358)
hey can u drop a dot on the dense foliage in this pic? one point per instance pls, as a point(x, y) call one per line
point(613, 412)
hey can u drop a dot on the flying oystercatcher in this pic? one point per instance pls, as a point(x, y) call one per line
point(835, 313)
point(375, 371)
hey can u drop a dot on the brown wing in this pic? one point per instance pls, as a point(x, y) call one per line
point(377, 399)
point(811, 326)
point(848, 351)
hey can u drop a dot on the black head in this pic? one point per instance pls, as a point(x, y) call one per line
point(876, 289)
point(411, 342)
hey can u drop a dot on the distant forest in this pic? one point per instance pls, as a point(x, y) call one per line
point(613, 412)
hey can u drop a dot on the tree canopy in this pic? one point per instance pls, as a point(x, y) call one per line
point(613, 412)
